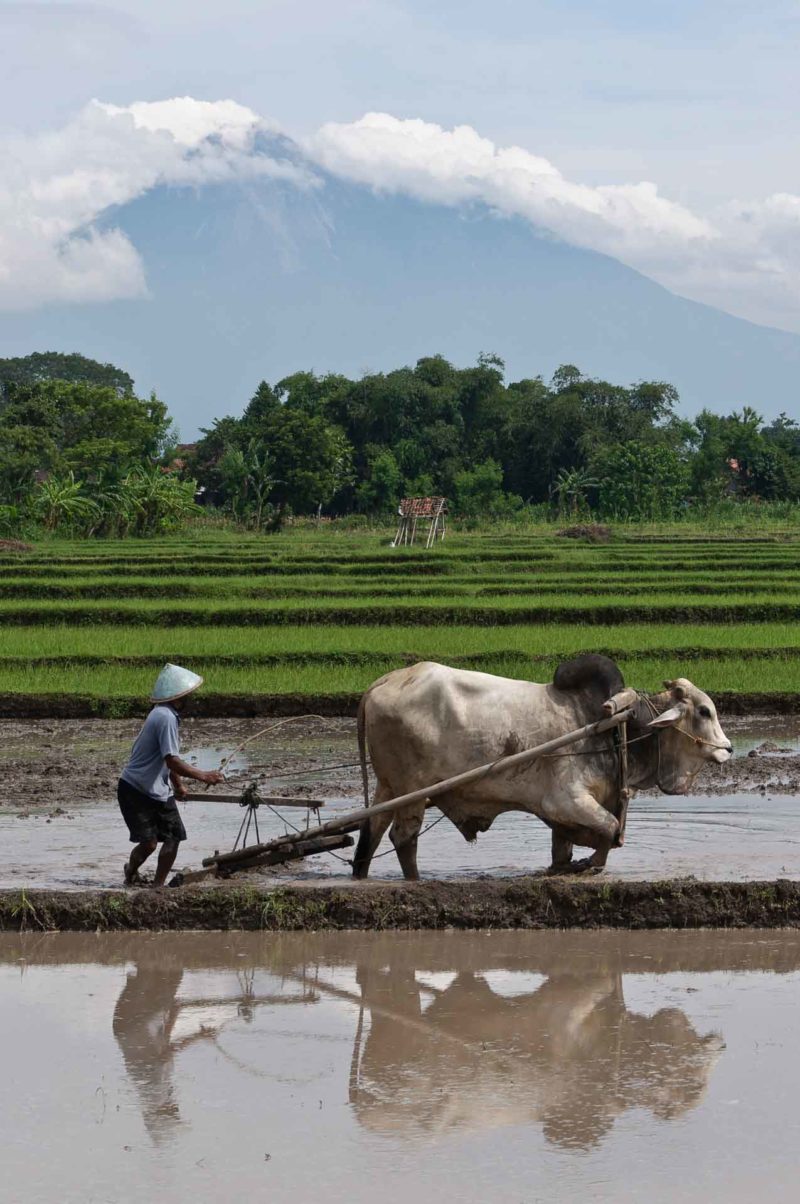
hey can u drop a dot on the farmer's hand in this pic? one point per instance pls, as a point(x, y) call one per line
point(180, 789)
point(212, 777)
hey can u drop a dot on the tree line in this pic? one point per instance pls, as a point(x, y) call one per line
point(79, 449)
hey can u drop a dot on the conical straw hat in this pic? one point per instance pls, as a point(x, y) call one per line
point(174, 682)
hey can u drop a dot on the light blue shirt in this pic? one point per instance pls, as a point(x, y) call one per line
point(147, 768)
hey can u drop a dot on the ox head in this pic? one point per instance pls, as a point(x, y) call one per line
point(689, 735)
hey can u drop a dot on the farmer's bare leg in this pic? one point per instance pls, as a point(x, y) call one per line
point(166, 860)
point(139, 854)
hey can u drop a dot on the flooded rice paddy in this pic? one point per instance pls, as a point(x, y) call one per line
point(503, 1067)
point(60, 826)
point(735, 837)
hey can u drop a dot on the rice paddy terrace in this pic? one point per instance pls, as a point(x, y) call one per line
point(296, 622)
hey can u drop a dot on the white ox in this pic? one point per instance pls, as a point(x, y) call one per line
point(429, 722)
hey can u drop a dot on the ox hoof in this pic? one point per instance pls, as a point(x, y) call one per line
point(585, 866)
point(563, 867)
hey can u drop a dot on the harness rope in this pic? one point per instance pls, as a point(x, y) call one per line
point(349, 860)
point(281, 723)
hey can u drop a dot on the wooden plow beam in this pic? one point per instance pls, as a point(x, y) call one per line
point(316, 840)
point(267, 800)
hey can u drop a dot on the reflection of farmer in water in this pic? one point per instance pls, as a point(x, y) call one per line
point(144, 1018)
point(568, 1056)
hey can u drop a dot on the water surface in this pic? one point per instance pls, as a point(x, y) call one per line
point(735, 837)
point(514, 1067)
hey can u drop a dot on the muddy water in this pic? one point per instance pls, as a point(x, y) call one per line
point(60, 826)
point(738, 838)
point(503, 1067)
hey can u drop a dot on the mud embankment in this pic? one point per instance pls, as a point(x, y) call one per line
point(524, 903)
point(333, 706)
point(210, 706)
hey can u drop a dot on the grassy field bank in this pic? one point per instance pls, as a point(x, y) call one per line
point(516, 903)
point(318, 616)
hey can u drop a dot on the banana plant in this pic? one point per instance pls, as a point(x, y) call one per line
point(61, 502)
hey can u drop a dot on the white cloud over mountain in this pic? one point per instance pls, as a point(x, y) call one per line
point(455, 166)
point(743, 257)
point(56, 186)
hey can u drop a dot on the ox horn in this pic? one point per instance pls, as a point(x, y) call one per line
point(676, 689)
point(619, 701)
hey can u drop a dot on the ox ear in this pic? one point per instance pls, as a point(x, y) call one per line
point(668, 718)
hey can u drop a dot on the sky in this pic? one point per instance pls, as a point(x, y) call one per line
point(661, 134)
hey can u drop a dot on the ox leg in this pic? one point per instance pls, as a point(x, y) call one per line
point(404, 834)
point(371, 835)
point(562, 850)
point(564, 841)
point(577, 810)
point(593, 864)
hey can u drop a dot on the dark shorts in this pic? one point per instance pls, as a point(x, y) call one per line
point(147, 818)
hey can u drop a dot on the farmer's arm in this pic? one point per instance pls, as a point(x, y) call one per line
point(178, 784)
point(181, 769)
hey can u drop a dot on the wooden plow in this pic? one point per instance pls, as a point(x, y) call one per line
point(335, 833)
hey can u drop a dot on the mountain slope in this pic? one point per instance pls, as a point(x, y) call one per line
point(256, 281)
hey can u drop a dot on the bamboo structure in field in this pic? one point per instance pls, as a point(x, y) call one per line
point(431, 510)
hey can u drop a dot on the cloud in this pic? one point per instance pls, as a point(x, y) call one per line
point(456, 166)
point(55, 187)
point(742, 257)
point(191, 122)
point(57, 190)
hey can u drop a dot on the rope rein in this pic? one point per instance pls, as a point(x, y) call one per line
point(281, 723)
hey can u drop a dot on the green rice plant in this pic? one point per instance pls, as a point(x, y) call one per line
point(311, 615)
point(320, 680)
point(411, 641)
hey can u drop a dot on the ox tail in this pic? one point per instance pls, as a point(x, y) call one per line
point(361, 728)
point(365, 847)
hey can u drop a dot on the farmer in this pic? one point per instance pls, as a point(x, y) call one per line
point(151, 781)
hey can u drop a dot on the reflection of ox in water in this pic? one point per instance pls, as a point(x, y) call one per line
point(569, 1056)
point(426, 723)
